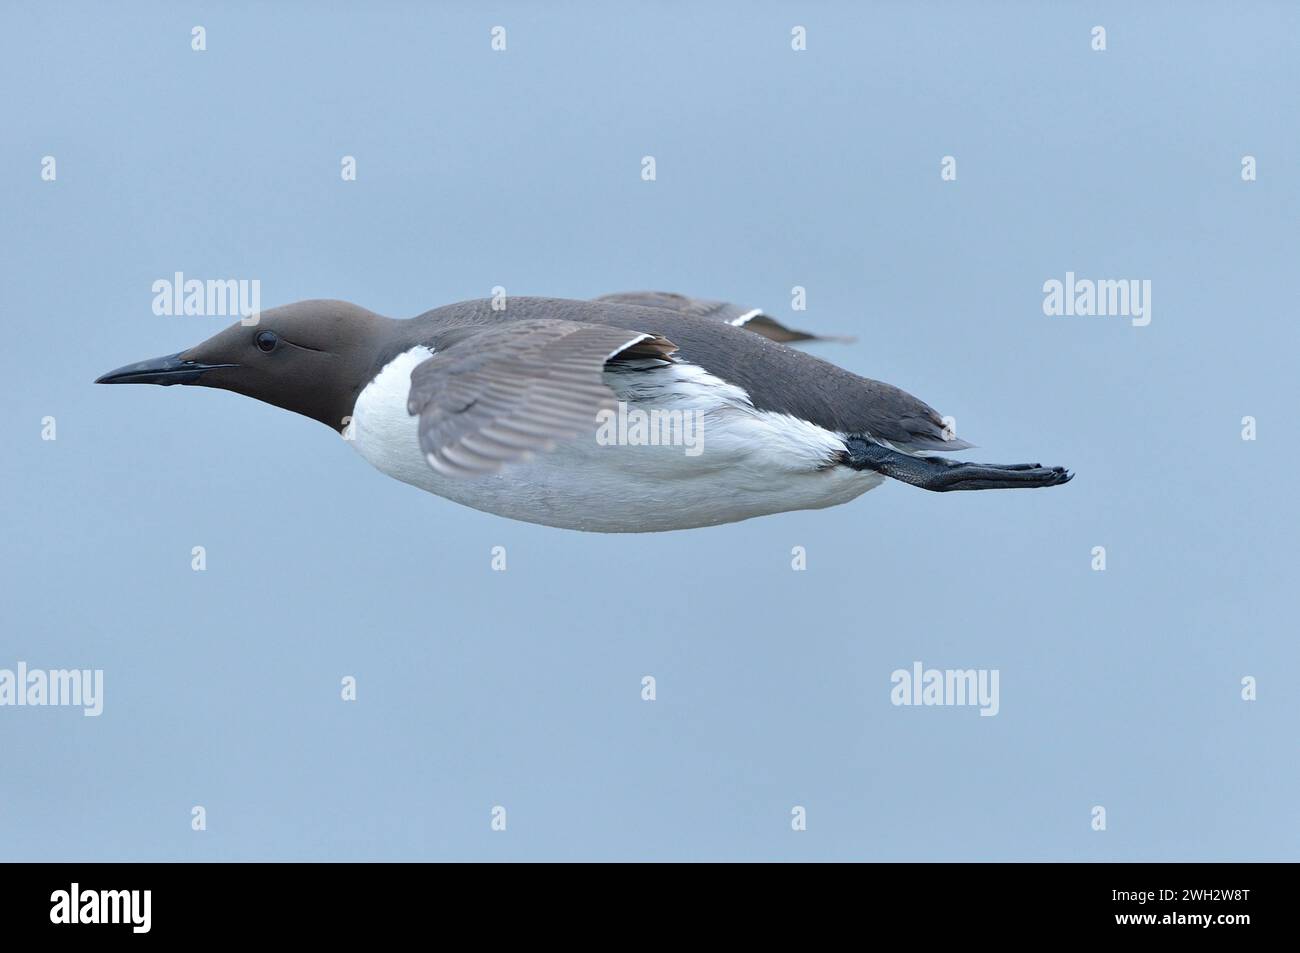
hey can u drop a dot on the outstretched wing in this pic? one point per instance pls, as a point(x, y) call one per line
point(751, 319)
point(497, 394)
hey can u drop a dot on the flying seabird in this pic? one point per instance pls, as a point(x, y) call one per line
point(635, 412)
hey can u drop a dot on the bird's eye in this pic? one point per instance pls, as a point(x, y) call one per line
point(266, 340)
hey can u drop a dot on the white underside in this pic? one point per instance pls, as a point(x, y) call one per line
point(753, 462)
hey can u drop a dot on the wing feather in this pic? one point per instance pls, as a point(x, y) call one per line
point(751, 319)
point(496, 395)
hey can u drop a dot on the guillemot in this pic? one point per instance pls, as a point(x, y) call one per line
point(511, 409)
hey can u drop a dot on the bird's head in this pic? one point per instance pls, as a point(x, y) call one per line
point(311, 357)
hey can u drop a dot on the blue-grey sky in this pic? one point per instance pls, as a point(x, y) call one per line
point(775, 168)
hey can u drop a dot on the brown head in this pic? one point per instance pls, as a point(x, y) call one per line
point(311, 357)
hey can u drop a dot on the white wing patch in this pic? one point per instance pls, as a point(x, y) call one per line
point(746, 317)
point(733, 427)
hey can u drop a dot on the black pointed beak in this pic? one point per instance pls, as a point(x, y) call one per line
point(161, 370)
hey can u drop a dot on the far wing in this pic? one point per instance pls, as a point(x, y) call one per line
point(751, 319)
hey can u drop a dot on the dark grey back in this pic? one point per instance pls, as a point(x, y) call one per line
point(776, 377)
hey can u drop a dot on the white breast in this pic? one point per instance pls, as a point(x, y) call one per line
point(752, 463)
